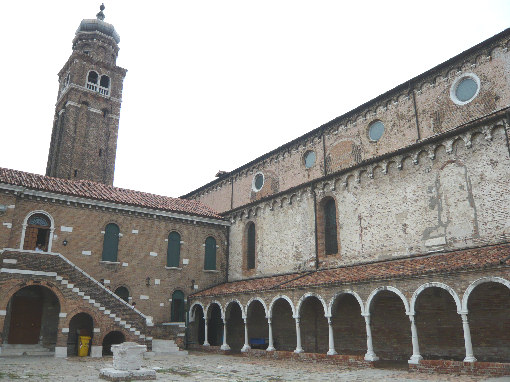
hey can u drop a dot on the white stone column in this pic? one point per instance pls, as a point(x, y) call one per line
point(370, 355)
point(246, 346)
point(225, 345)
point(331, 350)
point(299, 349)
point(416, 357)
point(270, 326)
point(470, 357)
point(206, 330)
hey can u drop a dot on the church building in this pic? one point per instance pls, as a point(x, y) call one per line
point(380, 235)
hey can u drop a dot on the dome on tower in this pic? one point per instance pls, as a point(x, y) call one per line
point(98, 25)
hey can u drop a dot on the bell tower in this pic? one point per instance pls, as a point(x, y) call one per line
point(85, 127)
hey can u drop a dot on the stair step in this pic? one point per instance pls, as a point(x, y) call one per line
point(23, 349)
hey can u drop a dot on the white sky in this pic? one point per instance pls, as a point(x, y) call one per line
point(211, 85)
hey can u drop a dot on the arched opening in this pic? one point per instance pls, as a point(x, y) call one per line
point(439, 326)
point(250, 246)
point(123, 293)
point(314, 326)
point(173, 255)
point(32, 317)
point(81, 324)
point(197, 326)
point(258, 329)
point(349, 329)
point(112, 338)
point(215, 326)
point(391, 329)
point(105, 81)
point(92, 80)
point(177, 308)
point(489, 322)
point(235, 326)
point(284, 326)
point(111, 243)
point(210, 254)
point(37, 233)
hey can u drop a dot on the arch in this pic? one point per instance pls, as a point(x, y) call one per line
point(123, 292)
point(4, 300)
point(284, 297)
point(206, 311)
point(111, 243)
point(347, 291)
point(191, 311)
point(259, 300)
point(27, 233)
point(80, 324)
point(177, 307)
point(434, 284)
point(210, 254)
point(173, 253)
point(227, 305)
point(391, 289)
point(311, 294)
point(104, 81)
point(477, 282)
point(92, 77)
point(112, 338)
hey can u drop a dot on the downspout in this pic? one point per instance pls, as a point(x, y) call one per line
point(316, 236)
point(415, 113)
point(324, 153)
point(228, 253)
point(232, 193)
point(506, 131)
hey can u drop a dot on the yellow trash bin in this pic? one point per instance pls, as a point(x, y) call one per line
point(83, 349)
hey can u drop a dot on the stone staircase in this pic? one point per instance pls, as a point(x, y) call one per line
point(166, 347)
point(17, 350)
point(63, 271)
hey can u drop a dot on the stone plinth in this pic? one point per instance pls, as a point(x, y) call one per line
point(127, 364)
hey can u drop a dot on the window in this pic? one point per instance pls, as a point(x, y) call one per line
point(92, 79)
point(330, 230)
point(104, 85)
point(465, 88)
point(250, 250)
point(375, 131)
point(177, 309)
point(309, 159)
point(110, 243)
point(37, 233)
point(210, 254)
point(174, 250)
point(123, 293)
point(258, 182)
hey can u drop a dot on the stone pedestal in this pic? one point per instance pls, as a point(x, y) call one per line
point(127, 364)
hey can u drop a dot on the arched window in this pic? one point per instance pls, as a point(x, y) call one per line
point(250, 248)
point(92, 80)
point(37, 233)
point(177, 310)
point(104, 85)
point(173, 254)
point(210, 254)
point(330, 230)
point(123, 293)
point(110, 243)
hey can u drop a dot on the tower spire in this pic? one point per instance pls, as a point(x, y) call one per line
point(100, 15)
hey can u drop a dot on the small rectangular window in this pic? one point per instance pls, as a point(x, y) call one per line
point(75, 173)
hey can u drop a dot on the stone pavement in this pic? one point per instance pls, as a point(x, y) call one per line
point(211, 367)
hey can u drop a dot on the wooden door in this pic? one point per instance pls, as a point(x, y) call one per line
point(26, 316)
point(30, 238)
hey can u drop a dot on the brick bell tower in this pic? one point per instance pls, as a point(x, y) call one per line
point(84, 137)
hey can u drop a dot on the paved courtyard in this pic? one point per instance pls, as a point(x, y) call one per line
point(210, 367)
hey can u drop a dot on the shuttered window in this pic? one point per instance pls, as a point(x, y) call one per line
point(330, 229)
point(111, 242)
point(210, 254)
point(250, 253)
point(177, 310)
point(173, 254)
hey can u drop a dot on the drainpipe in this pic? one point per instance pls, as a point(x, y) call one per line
point(415, 113)
point(315, 221)
point(228, 253)
point(506, 131)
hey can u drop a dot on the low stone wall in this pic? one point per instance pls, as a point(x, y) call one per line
point(459, 367)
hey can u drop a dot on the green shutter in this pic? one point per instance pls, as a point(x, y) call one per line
point(173, 254)
point(177, 311)
point(210, 254)
point(111, 242)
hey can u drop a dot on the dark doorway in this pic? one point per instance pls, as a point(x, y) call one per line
point(177, 314)
point(123, 293)
point(81, 324)
point(112, 338)
point(215, 327)
point(37, 232)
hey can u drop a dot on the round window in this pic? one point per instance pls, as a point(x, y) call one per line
point(375, 131)
point(258, 181)
point(465, 88)
point(309, 159)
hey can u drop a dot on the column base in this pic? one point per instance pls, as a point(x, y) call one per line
point(270, 348)
point(331, 352)
point(371, 357)
point(206, 344)
point(415, 359)
point(60, 351)
point(96, 351)
point(470, 359)
point(245, 348)
point(225, 347)
point(297, 351)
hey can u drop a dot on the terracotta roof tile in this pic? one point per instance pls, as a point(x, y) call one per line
point(98, 191)
point(435, 263)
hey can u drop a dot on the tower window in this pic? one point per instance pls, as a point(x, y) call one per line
point(100, 152)
point(75, 173)
point(92, 80)
point(104, 85)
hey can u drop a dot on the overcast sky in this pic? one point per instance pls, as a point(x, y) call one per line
point(212, 85)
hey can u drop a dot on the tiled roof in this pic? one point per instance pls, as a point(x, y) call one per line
point(98, 191)
point(468, 259)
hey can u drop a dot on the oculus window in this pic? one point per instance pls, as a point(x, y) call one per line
point(465, 88)
point(258, 182)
